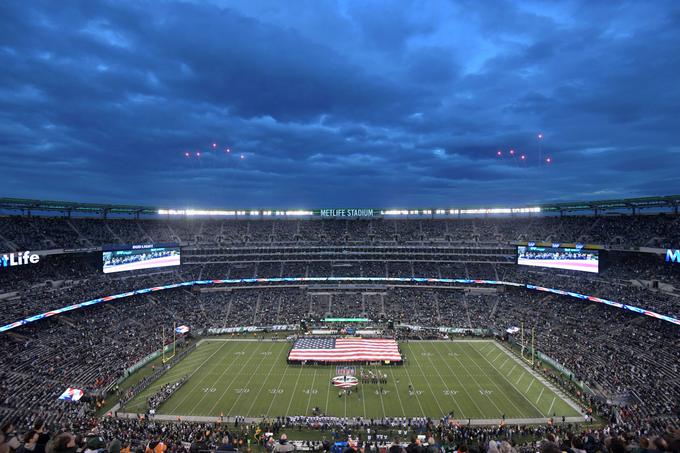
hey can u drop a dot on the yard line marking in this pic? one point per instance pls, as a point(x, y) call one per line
point(396, 390)
point(177, 405)
point(474, 402)
point(297, 381)
point(411, 382)
point(217, 402)
point(519, 378)
point(363, 400)
point(444, 382)
point(309, 400)
point(540, 395)
point(491, 380)
point(506, 379)
point(248, 383)
point(328, 394)
point(271, 403)
point(551, 405)
point(382, 402)
point(506, 361)
point(530, 383)
point(436, 399)
point(264, 381)
point(512, 369)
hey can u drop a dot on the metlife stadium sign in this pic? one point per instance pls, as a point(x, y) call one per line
point(673, 256)
point(18, 259)
point(347, 212)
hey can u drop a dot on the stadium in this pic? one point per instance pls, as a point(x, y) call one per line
point(341, 226)
point(454, 330)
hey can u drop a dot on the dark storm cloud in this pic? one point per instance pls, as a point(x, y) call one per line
point(338, 103)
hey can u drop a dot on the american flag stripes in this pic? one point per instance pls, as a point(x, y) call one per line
point(344, 350)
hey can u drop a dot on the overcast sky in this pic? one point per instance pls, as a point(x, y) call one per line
point(338, 103)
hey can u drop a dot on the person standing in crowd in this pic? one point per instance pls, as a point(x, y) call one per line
point(62, 443)
point(351, 446)
point(43, 436)
point(4, 448)
point(396, 446)
point(115, 446)
point(283, 446)
point(198, 445)
point(30, 442)
point(432, 446)
point(12, 441)
point(415, 446)
point(269, 445)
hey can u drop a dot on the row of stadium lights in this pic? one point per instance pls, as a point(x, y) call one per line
point(198, 154)
point(389, 212)
point(522, 156)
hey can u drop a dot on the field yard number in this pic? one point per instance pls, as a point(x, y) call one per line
point(453, 354)
point(242, 390)
point(310, 391)
point(266, 353)
point(419, 392)
point(448, 392)
point(239, 353)
point(384, 392)
point(485, 392)
point(209, 389)
point(426, 354)
point(276, 391)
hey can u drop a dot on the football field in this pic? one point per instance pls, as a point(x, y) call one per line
point(475, 379)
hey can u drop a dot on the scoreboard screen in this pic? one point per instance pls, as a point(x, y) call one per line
point(575, 259)
point(135, 257)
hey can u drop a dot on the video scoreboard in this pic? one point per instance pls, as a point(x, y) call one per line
point(575, 258)
point(129, 257)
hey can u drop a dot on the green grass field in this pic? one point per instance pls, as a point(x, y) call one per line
point(476, 379)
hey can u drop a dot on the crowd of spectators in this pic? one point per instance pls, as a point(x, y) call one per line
point(339, 435)
point(617, 354)
point(42, 233)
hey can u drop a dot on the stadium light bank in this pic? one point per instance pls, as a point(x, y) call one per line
point(349, 212)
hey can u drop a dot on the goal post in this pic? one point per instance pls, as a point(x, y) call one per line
point(165, 357)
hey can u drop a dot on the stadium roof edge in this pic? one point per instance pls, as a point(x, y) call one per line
point(23, 204)
point(29, 205)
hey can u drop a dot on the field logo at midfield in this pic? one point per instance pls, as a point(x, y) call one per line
point(344, 381)
point(672, 256)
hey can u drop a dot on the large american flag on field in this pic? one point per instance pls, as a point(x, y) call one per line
point(345, 350)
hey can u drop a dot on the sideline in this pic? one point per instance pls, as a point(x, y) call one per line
point(228, 419)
